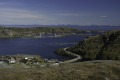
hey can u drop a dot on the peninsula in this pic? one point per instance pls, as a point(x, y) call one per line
point(37, 32)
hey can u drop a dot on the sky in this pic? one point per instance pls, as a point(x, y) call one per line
point(80, 12)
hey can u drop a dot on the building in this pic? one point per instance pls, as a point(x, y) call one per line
point(12, 60)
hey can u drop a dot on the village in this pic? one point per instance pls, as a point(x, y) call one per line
point(26, 61)
point(42, 35)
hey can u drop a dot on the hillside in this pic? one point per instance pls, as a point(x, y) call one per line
point(102, 47)
point(11, 32)
point(89, 70)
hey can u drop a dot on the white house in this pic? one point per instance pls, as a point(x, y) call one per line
point(11, 60)
point(26, 58)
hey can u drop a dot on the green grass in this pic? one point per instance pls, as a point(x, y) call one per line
point(17, 66)
point(78, 71)
point(103, 47)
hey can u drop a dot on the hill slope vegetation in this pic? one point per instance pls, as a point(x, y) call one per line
point(11, 32)
point(103, 47)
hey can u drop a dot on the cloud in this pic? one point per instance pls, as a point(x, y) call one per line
point(2, 3)
point(18, 13)
point(103, 16)
point(10, 10)
point(10, 3)
point(63, 14)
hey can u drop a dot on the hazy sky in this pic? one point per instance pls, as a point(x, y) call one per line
point(82, 12)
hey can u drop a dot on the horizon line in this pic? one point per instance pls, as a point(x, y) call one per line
point(62, 24)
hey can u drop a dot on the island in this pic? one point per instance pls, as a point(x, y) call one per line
point(39, 32)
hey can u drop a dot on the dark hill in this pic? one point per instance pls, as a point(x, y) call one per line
point(104, 46)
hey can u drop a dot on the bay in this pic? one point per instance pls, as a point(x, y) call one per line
point(44, 47)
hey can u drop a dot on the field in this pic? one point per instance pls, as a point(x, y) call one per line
point(88, 70)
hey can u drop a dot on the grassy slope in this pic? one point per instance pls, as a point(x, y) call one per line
point(95, 70)
point(105, 46)
point(23, 32)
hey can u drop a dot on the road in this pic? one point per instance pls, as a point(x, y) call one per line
point(77, 57)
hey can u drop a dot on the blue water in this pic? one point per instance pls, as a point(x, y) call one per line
point(93, 28)
point(44, 47)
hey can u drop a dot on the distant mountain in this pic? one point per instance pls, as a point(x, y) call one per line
point(103, 47)
point(80, 27)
